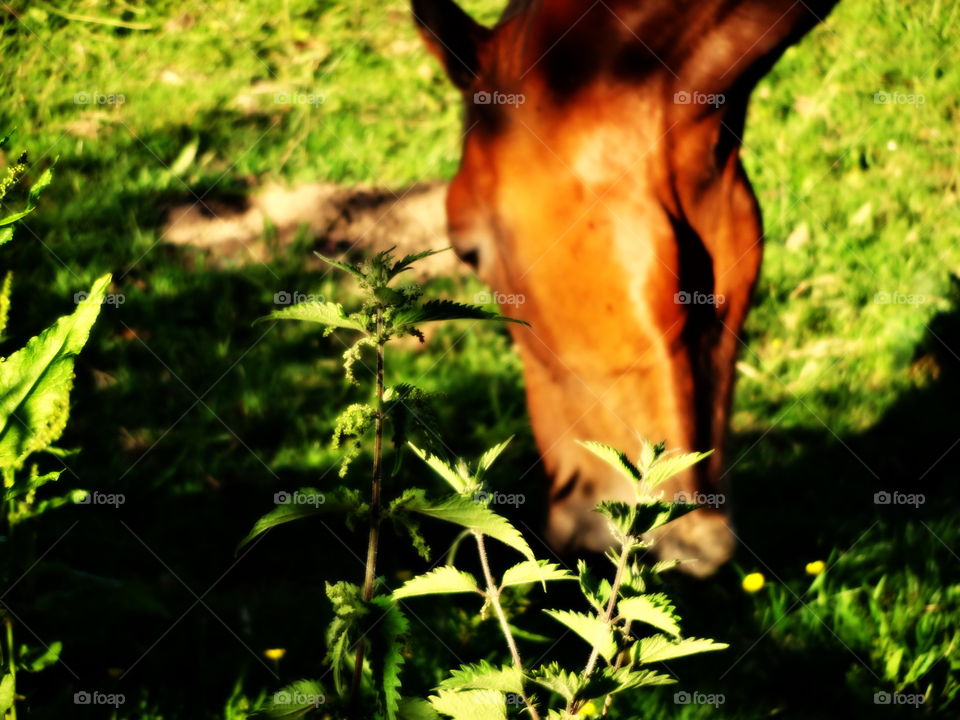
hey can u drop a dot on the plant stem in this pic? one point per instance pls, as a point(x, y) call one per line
point(607, 618)
point(493, 593)
point(373, 538)
point(11, 663)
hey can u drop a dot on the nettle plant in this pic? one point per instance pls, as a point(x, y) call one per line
point(627, 627)
point(35, 384)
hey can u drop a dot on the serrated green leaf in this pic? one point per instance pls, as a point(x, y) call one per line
point(469, 514)
point(668, 466)
point(615, 459)
point(328, 314)
point(658, 648)
point(564, 683)
point(342, 265)
point(293, 701)
point(443, 580)
point(484, 676)
point(591, 628)
point(490, 457)
point(407, 260)
point(391, 629)
point(533, 571)
point(470, 704)
point(35, 382)
point(622, 517)
point(597, 592)
point(627, 679)
point(650, 514)
point(302, 503)
point(457, 478)
point(438, 310)
point(654, 610)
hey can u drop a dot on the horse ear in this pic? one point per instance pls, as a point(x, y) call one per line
point(453, 37)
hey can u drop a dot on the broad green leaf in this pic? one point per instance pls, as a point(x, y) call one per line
point(484, 676)
point(591, 628)
point(653, 610)
point(463, 511)
point(457, 478)
point(302, 503)
point(7, 687)
point(470, 704)
point(329, 314)
point(443, 580)
point(436, 310)
point(345, 266)
point(666, 467)
point(35, 382)
point(531, 571)
point(615, 459)
point(294, 701)
point(658, 648)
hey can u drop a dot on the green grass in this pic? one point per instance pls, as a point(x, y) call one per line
point(839, 396)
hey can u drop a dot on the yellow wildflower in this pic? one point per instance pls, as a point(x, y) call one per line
point(754, 582)
point(275, 653)
point(816, 567)
point(588, 709)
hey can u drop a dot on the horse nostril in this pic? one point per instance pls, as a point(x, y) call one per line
point(471, 257)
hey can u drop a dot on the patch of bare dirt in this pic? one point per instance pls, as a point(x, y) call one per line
point(338, 218)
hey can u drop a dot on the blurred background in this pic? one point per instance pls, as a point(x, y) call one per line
point(167, 121)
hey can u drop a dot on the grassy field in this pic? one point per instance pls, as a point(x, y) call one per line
point(848, 380)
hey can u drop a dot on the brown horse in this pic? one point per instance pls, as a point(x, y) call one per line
point(602, 197)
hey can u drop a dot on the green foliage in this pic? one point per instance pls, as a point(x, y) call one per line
point(35, 385)
point(369, 630)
